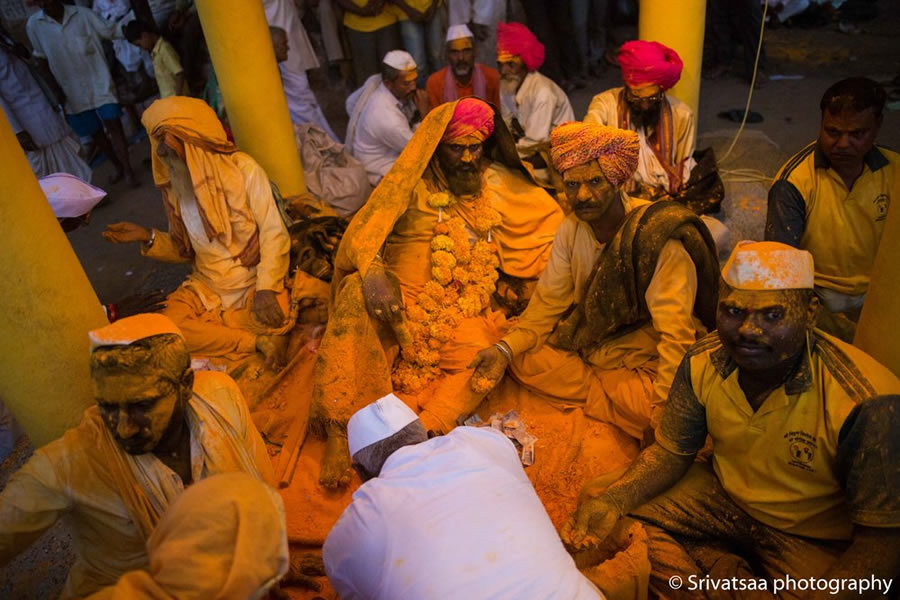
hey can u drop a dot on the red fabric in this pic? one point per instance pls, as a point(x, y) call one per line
point(616, 150)
point(472, 117)
point(517, 39)
point(649, 63)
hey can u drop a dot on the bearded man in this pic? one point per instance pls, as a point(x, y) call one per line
point(463, 76)
point(222, 218)
point(666, 127)
point(804, 452)
point(417, 269)
point(532, 104)
point(613, 312)
point(157, 428)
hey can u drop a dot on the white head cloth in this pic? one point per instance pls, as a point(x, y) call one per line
point(131, 329)
point(458, 32)
point(760, 266)
point(400, 60)
point(377, 421)
point(70, 196)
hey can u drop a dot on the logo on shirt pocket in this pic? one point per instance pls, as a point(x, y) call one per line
point(882, 202)
point(801, 449)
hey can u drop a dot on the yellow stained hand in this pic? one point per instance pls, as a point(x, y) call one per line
point(489, 364)
point(591, 523)
point(125, 233)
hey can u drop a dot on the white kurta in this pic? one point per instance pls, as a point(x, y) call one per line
point(453, 517)
point(27, 109)
point(301, 100)
point(381, 133)
point(283, 13)
point(539, 105)
point(75, 52)
point(604, 109)
point(119, 12)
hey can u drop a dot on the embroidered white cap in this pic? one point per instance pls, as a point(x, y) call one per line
point(131, 329)
point(768, 266)
point(400, 60)
point(377, 421)
point(458, 32)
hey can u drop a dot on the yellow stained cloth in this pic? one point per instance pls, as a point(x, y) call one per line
point(109, 498)
point(166, 65)
point(652, 352)
point(387, 16)
point(223, 538)
point(778, 462)
point(604, 109)
point(843, 227)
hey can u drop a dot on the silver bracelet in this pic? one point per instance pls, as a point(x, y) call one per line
point(152, 238)
point(504, 351)
point(614, 503)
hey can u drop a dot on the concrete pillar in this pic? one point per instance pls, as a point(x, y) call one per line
point(46, 308)
point(237, 36)
point(680, 26)
point(880, 320)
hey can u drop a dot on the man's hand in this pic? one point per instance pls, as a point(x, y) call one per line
point(591, 523)
point(266, 308)
point(421, 100)
point(382, 298)
point(26, 142)
point(490, 365)
point(125, 233)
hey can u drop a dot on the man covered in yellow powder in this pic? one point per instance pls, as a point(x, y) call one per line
point(417, 270)
point(223, 218)
point(616, 308)
point(157, 428)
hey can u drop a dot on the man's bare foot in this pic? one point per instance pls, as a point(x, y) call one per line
point(336, 462)
point(274, 349)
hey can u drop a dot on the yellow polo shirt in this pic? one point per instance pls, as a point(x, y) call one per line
point(387, 17)
point(811, 208)
point(166, 66)
point(818, 454)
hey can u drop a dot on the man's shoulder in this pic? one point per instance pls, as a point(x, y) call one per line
point(679, 108)
point(857, 374)
point(489, 72)
point(220, 391)
point(801, 164)
point(436, 78)
point(610, 95)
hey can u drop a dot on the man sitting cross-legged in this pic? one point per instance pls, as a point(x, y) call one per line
point(157, 427)
point(805, 451)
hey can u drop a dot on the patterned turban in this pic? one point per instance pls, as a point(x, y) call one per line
point(471, 118)
point(575, 143)
point(649, 63)
point(517, 40)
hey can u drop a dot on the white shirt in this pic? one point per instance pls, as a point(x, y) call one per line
point(301, 55)
point(25, 105)
point(75, 53)
point(453, 517)
point(540, 105)
point(382, 133)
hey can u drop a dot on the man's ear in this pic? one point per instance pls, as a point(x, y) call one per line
point(812, 310)
point(187, 381)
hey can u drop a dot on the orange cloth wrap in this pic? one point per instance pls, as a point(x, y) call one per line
point(575, 143)
point(649, 63)
point(471, 118)
point(517, 40)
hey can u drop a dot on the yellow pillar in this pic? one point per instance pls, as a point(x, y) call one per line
point(237, 36)
point(880, 320)
point(679, 25)
point(46, 308)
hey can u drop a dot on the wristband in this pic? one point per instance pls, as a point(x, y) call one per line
point(504, 351)
point(615, 504)
point(152, 238)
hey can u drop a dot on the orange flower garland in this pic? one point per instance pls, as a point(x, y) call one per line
point(464, 277)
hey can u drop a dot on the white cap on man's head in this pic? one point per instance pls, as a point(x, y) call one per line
point(131, 329)
point(458, 32)
point(377, 421)
point(400, 60)
point(759, 266)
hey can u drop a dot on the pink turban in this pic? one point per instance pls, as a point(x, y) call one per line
point(645, 63)
point(471, 117)
point(516, 39)
point(575, 143)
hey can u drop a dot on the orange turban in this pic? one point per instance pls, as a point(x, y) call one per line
point(471, 118)
point(517, 40)
point(575, 143)
point(649, 63)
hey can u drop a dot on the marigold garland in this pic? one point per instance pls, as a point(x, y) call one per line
point(464, 276)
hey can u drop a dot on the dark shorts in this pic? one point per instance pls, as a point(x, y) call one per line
point(88, 123)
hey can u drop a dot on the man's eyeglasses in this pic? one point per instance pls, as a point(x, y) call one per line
point(632, 97)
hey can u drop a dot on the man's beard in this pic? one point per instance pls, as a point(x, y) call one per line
point(463, 70)
point(509, 85)
point(464, 180)
point(644, 119)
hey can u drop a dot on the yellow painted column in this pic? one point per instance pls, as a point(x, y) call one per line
point(880, 320)
point(46, 308)
point(681, 26)
point(237, 35)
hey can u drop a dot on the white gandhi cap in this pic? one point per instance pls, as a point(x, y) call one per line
point(458, 32)
point(400, 60)
point(761, 266)
point(377, 421)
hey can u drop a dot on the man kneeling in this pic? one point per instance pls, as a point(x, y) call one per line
point(158, 427)
point(803, 473)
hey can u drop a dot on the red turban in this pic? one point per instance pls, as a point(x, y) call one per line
point(472, 117)
point(646, 63)
point(575, 143)
point(516, 39)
